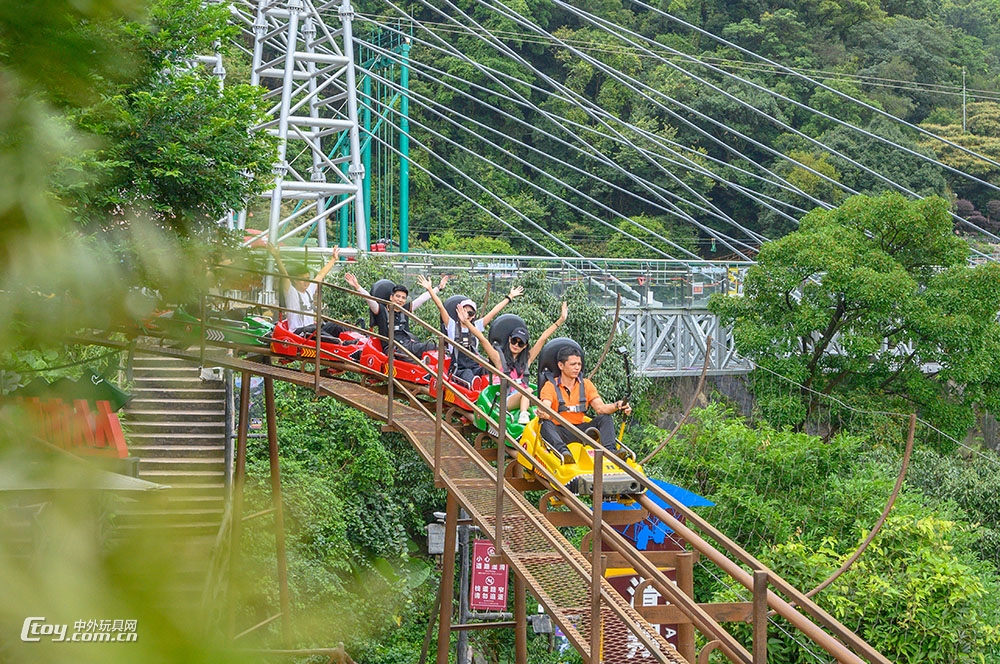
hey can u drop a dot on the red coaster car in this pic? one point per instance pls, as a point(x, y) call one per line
point(453, 387)
point(377, 361)
point(348, 346)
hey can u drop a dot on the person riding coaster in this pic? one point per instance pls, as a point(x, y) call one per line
point(465, 368)
point(405, 368)
point(511, 351)
point(563, 452)
point(375, 356)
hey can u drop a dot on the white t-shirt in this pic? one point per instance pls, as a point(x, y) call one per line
point(301, 306)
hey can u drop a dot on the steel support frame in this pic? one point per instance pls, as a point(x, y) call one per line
point(308, 68)
point(673, 342)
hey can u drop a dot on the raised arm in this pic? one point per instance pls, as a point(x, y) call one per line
point(431, 292)
point(352, 281)
point(549, 331)
point(273, 250)
point(514, 293)
point(323, 271)
point(494, 355)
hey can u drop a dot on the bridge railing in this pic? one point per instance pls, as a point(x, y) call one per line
point(654, 283)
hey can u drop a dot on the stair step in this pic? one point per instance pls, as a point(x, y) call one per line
point(180, 465)
point(189, 451)
point(201, 524)
point(162, 475)
point(155, 436)
point(198, 411)
point(177, 416)
point(153, 427)
point(174, 378)
point(144, 393)
point(175, 498)
point(158, 405)
point(197, 485)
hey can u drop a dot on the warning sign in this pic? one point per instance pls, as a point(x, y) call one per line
point(488, 590)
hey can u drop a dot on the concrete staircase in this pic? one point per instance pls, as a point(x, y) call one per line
point(176, 426)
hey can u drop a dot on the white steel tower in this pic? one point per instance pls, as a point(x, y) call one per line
point(307, 66)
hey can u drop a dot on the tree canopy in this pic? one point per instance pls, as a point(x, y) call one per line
point(875, 302)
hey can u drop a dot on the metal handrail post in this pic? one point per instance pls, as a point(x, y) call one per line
point(596, 544)
point(439, 410)
point(501, 460)
point(317, 305)
point(391, 367)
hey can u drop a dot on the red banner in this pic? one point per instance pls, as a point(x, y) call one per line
point(488, 590)
point(76, 428)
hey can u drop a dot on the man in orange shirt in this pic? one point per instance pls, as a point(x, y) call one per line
point(572, 396)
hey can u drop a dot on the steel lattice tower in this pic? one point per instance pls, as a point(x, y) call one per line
point(308, 68)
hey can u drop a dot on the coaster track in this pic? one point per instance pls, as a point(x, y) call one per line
point(557, 574)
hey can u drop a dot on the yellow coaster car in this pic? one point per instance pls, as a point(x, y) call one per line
point(578, 476)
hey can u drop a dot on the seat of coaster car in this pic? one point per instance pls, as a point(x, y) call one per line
point(327, 337)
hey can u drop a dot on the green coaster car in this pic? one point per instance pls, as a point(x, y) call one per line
point(179, 324)
point(489, 403)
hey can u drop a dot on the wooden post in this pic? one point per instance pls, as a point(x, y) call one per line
point(239, 477)
point(447, 579)
point(760, 581)
point(521, 618)
point(279, 517)
point(685, 581)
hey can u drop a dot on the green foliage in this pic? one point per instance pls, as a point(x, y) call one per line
point(921, 592)
point(448, 241)
point(354, 501)
point(659, 233)
point(767, 484)
point(914, 596)
point(175, 145)
point(982, 136)
point(972, 484)
point(821, 302)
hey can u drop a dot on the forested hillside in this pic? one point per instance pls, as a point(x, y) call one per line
point(689, 106)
